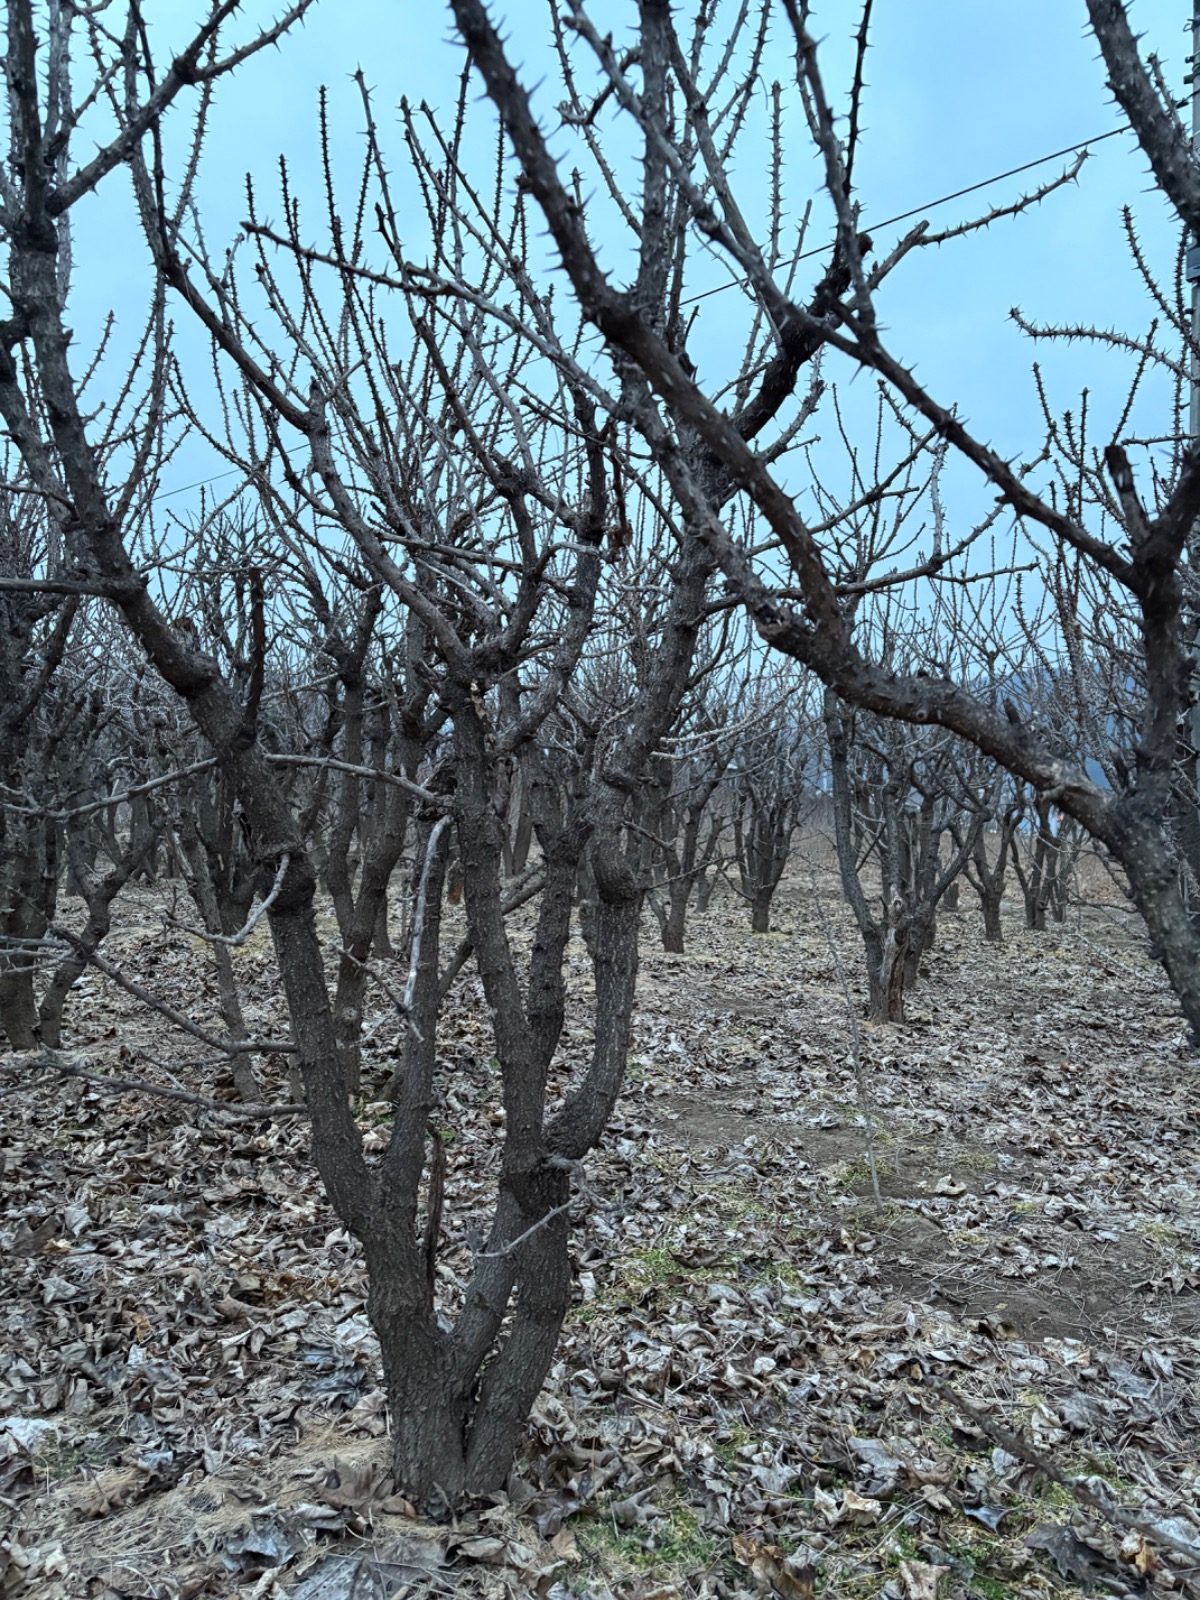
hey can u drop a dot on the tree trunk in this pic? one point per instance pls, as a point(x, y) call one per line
point(1146, 851)
point(99, 898)
point(512, 1381)
point(674, 923)
point(50, 1012)
point(25, 923)
point(18, 1005)
point(29, 889)
point(427, 1412)
point(760, 913)
point(142, 831)
point(1185, 805)
point(887, 981)
point(517, 841)
point(381, 944)
point(916, 935)
point(950, 898)
point(993, 932)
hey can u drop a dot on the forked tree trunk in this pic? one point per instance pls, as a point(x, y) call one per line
point(705, 884)
point(517, 841)
point(99, 897)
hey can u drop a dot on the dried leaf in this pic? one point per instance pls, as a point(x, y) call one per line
point(773, 1570)
point(920, 1580)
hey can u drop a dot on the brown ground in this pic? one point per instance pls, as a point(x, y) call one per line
point(755, 1391)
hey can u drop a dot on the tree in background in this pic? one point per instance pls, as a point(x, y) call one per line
point(1095, 508)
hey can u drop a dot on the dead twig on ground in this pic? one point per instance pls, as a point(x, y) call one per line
point(47, 1061)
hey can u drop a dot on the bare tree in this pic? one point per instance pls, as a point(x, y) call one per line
point(684, 823)
point(1044, 856)
point(987, 866)
point(1086, 503)
point(453, 454)
point(771, 782)
point(897, 792)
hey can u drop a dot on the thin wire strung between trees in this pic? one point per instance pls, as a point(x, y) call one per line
point(1079, 146)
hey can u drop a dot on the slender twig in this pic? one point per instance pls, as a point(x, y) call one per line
point(513, 1244)
point(109, 799)
point(376, 774)
point(373, 971)
point(102, 1080)
point(1018, 1446)
point(235, 940)
point(228, 1047)
point(517, 895)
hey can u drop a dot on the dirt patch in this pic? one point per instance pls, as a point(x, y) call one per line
point(726, 1004)
point(713, 1123)
point(1077, 1290)
point(1005, 1267)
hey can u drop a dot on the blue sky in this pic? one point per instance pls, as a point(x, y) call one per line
point(959, 90)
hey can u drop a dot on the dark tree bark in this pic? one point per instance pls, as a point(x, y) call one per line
point(1132, 551)
point(892, 805)
point(987, 876)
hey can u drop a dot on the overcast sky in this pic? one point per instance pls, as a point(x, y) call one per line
point(959, 90)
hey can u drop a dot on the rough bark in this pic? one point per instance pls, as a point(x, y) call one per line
point(808, 617)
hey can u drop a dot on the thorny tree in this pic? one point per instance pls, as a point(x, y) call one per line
point(428, 442)
point(462, 475)
point(1127, 529)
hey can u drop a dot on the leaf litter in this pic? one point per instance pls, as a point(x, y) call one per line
point(756, 1391)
